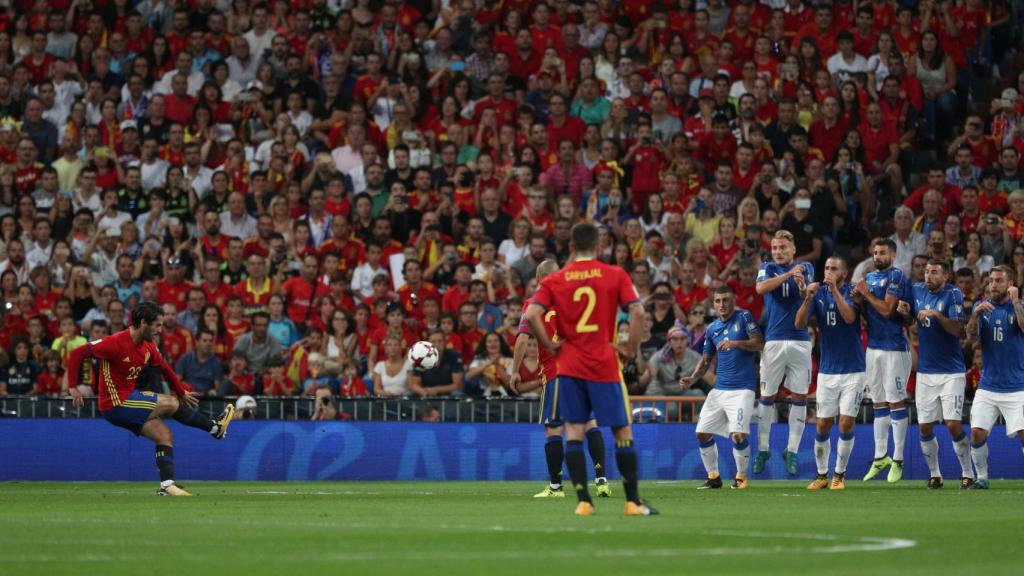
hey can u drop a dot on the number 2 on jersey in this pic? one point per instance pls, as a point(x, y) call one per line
point(584, 326)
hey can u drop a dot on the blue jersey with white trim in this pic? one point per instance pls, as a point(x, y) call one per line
point(1002, 350)
point(887, 333)
point(842, 351)
point(736, 367)
point(781, 304)
point(939, 352)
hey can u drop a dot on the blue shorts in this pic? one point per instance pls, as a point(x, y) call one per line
point(549, 416)
point(133, 413)
point(581, 400)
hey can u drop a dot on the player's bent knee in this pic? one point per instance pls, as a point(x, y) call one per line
point(554, 430)
point(703, 437)
point(846, 423)
point(979, 435)
point(738, 437)
point(623, 432)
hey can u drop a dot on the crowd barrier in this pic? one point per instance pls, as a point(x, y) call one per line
point(93, 450)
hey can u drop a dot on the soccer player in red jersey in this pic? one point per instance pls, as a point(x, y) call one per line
point(122, 357)
point(554, 452)
point(587, 295)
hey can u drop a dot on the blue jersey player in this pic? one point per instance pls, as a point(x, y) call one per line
point(787, 349)
point(888, 357)
point(998, 323)
point(735, 338)
point(840, 368)
point(937, 308)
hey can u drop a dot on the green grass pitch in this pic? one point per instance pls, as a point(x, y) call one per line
point(493, 528)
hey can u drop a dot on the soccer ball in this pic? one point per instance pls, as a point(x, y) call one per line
point(423, 355)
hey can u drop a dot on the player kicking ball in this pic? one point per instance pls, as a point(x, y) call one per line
point(840, 370)
point(554, 451)
point(122, 357)
point(735, 338)
point(998, 323)
point(787, 349)
point(938, 310)
point(587, 295)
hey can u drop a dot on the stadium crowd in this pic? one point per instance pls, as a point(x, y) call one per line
point(307, 187)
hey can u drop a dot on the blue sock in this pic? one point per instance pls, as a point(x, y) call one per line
point(577, 464)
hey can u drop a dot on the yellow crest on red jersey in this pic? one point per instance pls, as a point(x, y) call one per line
point(146, 361)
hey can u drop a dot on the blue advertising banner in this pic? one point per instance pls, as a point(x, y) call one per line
point(93, 450)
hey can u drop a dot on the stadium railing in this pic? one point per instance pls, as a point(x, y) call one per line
point(645, 409)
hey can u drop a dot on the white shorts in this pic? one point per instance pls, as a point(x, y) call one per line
point(940, 397)
point(887, 373)
point(726, 412)
point(839, 394)
point(988, 406)
point(789, 359)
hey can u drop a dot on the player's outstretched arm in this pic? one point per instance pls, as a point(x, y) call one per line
point(75, 359)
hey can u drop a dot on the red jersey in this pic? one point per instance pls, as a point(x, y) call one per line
point(548, 361)
point(121, 361)
point(218, 249)
point(177, 343)
point(176, 294)
point(587, 294)
point(217, 296)
point(301, 296)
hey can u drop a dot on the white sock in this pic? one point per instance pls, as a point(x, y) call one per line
point(822, 452)
point(843, 450)
point(882, 422)
point(215, 430)
point(600, 480)
point(555, 486)
point(979, 454)
point(741, 453)
point(797, 421)
point(166, 483)
point(962, 447)
point(900, 423)
point(930, 449)
point(765, 418)
point(709, 455)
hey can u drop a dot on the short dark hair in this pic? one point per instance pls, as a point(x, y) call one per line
point(584, 236)
point(146, 311)
point(887, 242)
point(942, 262)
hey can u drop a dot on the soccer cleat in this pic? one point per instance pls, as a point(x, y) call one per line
point(790, 459)
point(604, 490)
point(172, 490)
point(549, 492)
point(820, 482)
point(223, 420)
point(584, 508)
point(838, 482)
point(980, 484)
point(877, 466)
point(935, 482)
point(760, 460)
point(740, 483)
point(896, 472)
point(966, 483)
point(711, 484)
point(642, 509)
